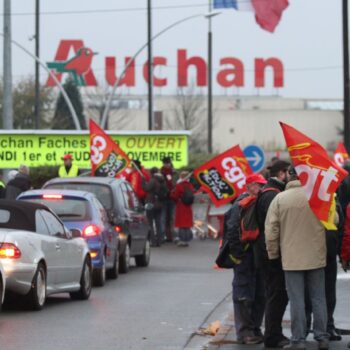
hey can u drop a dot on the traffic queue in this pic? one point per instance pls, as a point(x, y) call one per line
point(74, 233)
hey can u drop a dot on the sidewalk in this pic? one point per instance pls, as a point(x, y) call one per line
point(225, 339)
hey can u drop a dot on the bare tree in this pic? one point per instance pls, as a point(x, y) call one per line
point(95, 99)
point(188, 113)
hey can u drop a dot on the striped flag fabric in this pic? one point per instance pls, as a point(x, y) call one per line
point(268, 13)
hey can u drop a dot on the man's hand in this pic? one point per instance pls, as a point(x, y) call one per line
point(345, 265)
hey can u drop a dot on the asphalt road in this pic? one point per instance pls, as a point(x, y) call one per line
point(149, 308)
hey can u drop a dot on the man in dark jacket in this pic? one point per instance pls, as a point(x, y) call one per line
point(157, 194)
point(19, 184)
point(247, 288)
point(275, 290)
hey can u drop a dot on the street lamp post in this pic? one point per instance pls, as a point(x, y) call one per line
point(64, 94)
point(150, 66)
point(346, 87)
point(37, 67)
point(116, 84)
point(210, 84)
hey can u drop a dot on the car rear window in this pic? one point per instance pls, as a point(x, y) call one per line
point(102, 192)
point(66, 209)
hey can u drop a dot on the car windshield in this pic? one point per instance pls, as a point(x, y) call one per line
point(66, 209)
point(102, 192)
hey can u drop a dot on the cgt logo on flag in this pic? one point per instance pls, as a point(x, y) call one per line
point(341, 154)
point(318, 174)
point(224, 176)
point(107, 158)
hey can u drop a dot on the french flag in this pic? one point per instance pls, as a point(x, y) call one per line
point(268, 13)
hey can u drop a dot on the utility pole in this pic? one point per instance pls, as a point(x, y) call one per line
point(37, 67)
point(210, 82)
point(346, 76)
point(7, 69)
point(150, 66)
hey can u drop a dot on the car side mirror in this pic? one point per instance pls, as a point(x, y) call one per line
point(76, 233)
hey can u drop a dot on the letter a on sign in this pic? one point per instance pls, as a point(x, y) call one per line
point(224, 176)
point(318, 174)
point(107, 158)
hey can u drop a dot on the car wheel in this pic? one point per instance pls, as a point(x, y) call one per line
point(144, 259)
point(85, 282)
point(37, 294)
point(99, 275)
point(113, 273)
point(124, 261)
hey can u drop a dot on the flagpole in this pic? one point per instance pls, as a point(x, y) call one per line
point(346, 113)
point(150, 65)
point(210, 82)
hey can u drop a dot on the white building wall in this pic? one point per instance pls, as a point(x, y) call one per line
point(247, 120)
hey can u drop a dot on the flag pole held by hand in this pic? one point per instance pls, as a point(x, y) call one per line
point(137, 168)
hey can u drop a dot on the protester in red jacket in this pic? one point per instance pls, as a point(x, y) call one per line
point(183, 196)
point(135, 179)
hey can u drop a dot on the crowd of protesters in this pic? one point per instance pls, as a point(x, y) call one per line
point(291, 259)
point(168, 203)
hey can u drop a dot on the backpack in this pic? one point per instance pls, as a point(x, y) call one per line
point(187, 196)
point(249, 228)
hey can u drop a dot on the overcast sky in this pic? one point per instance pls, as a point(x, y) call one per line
point(308, 39)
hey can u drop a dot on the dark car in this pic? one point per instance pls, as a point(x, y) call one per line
point(124, 211)
point(82, 210)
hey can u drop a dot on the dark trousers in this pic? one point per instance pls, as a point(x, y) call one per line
point(168, 212)
point(154, 217)
point(276, 301)
point(248, 297)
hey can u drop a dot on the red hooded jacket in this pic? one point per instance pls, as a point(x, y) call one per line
point(183, 212)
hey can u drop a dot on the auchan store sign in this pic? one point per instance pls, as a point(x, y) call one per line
point(46, 147)
point(74, 58)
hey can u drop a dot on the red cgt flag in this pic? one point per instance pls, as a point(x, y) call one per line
point(107, 158)
point(318, 174)
point(341, 154)
point(223, 177)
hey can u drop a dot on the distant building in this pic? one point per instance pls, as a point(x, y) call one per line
point(238, 120)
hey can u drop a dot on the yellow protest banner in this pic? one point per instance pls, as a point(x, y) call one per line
point(46, 147)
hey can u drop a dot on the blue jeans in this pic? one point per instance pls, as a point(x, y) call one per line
point(185, 235)
point(314, 282)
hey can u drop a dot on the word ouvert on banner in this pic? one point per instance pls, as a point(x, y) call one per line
point(224, 176)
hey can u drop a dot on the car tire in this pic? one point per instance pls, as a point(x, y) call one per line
point(99, 274)
point(113, 273)
point(143, 260)
point(37, 294)
point(124, 260)
point(85, 282)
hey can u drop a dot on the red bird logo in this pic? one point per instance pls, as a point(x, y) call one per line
point(78, 66)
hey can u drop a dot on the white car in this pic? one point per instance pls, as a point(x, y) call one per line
point(40, 256)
